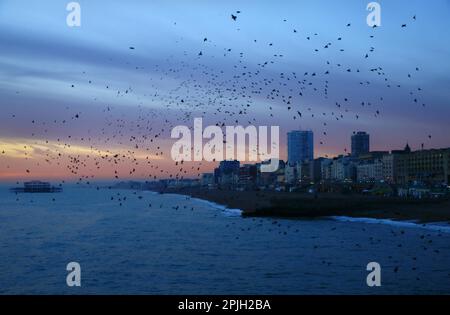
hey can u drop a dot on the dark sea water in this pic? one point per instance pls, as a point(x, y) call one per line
point(170, 244)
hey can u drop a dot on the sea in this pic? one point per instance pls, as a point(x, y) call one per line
point(142, 242)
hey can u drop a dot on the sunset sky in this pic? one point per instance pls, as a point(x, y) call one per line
point(99, 101)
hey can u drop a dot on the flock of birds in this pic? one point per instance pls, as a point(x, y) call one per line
point(242, 92)
point(238, 94)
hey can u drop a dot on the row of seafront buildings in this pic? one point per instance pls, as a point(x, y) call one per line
point(399, 168)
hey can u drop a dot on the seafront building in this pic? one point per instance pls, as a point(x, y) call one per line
point(300, 144)
point(427, 166)
point(406, 172)
point(360, 143)
point(207, 179)
point(370, 171)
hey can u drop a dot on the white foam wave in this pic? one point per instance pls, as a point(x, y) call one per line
point(441, 227)
point(227, 211)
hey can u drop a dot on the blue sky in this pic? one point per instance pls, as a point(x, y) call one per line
point(41, 58)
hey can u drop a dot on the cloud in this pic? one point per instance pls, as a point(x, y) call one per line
point(38, 149)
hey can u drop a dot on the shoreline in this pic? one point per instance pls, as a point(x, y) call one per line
point(433, 226)
point(326, 205)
